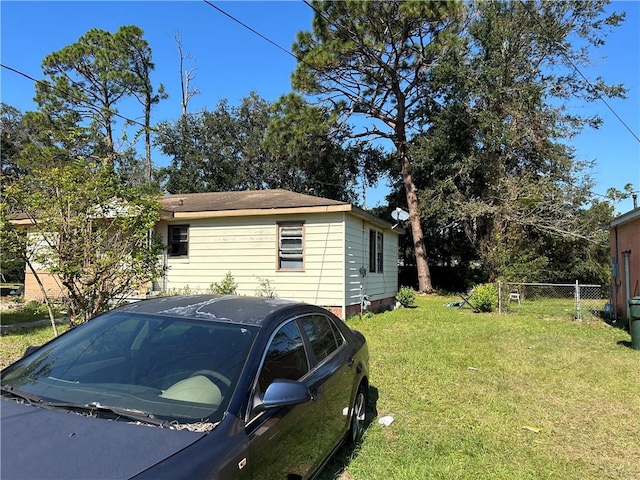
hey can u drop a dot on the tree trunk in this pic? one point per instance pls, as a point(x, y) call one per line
point(44, 296)
point(147, 134)
point(424, 275)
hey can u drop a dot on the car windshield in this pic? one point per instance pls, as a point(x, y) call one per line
point(177, 370)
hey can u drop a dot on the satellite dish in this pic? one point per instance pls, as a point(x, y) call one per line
point(400, 215)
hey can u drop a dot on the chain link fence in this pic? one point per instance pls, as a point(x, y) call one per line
point(552, 299)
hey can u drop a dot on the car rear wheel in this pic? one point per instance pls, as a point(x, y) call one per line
point(358, 416)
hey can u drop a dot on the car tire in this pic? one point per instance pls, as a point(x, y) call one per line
point(357, 424)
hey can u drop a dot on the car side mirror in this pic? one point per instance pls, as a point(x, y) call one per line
point(282, 393)
point(30, 349)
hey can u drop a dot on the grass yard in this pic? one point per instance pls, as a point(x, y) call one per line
point(462, 387)
point(469, 391)
point(13, 343)
point(14, 312)
point(21, 315)
point(555, 308)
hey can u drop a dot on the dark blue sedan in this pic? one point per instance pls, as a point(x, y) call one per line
point(213, 387)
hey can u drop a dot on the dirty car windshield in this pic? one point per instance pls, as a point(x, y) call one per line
point(174, 369)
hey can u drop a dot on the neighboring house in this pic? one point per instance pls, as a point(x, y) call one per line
point(312, 249)
point(624, 241)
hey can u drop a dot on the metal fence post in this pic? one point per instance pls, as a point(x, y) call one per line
point(577, 295)
point(500, 296)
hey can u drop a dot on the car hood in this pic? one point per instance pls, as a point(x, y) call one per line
point(39, 443)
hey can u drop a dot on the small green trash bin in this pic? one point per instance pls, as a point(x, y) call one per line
point(634, 322)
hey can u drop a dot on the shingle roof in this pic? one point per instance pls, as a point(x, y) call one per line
point(243, 200)
point(256, 202)
point(253, 202)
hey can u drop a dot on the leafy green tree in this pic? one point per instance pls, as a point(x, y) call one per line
point(89, 79)
point(13, 137)
point(375, 59)
point(310, 152)
point(12, 249)
point(141, 66)
point(204, 149)
point(494, 161)
point(614, 195)
point(88, 229)
point(252, 118)
point(259, 145)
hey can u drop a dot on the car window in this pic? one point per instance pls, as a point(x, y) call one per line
point(112, 341)
point(175, 369)
point(323, 336)
point(285, 357)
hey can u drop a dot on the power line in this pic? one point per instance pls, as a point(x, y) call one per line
point(301, 60)
point(350, 35)
point(593, 89)
point(395, 71)
point(575, 67)
point(65, 95)
point(250, 29)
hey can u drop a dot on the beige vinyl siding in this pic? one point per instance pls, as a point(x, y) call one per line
point(247, 247)
point(376, 285)
point(356, 257)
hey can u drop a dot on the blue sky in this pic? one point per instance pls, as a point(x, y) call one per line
point(231, 61)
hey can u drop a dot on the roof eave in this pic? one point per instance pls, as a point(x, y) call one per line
point(253, 212)
point(626, 217)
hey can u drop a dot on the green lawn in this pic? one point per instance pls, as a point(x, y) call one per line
point(25, 312)
point(12, 317)
point(13, 343)
point(462, 387)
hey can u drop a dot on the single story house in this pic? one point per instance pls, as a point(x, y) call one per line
point(624, 244)
point(296, 246)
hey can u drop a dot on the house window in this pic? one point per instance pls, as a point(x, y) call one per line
point(376, 258)
point(178, 240)
point(290, 246)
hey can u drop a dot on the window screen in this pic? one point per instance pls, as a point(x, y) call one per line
point(290, 246)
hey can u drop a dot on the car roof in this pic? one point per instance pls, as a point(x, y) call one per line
point(225, 308)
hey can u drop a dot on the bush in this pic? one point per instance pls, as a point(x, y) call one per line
point(265, 289)
point(226, 287)
point(407, 297)
point(35, 308)
point(484, 297)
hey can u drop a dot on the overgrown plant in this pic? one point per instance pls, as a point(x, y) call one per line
point(407, 297)
point(227, 286)
point(86, 229)
point(265, 289)
point(485, 297)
